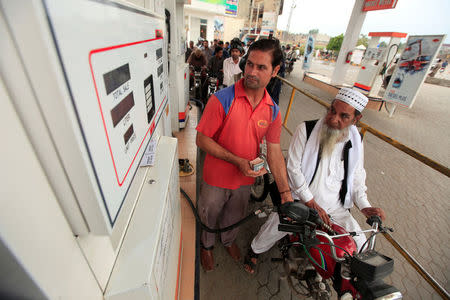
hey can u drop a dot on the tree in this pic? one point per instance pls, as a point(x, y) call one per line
point(363, 40)
point(314, 31)
point(335, 42)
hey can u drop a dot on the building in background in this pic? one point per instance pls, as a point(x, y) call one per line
point(262, 19)
point(227, 19)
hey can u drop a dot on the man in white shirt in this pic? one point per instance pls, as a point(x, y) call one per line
point(326, 172)
point(231, 64)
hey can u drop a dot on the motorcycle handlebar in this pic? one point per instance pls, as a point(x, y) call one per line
point(374, 220)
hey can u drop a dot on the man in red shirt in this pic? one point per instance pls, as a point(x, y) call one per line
point(232, 127)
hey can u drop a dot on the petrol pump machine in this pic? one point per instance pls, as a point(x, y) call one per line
point(375, 59)
point(99, 75)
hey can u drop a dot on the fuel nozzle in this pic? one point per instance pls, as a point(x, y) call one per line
point(316, 219)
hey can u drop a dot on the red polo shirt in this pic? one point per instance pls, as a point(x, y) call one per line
point(229, 120)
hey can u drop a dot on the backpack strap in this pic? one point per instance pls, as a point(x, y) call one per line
point(343, 190)
point(226, 97)
point(309, 128)
point(275, 109)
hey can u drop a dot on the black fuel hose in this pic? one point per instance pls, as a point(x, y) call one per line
point(206, 228)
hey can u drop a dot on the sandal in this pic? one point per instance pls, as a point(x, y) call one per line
point(207, 258)
point(249, 263)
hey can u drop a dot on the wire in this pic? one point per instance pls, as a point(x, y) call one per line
point(206, 228)
point(311, 258)
point(392, 59)
point(365, 243)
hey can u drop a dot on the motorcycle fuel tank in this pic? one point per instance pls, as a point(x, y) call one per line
point(323, 262)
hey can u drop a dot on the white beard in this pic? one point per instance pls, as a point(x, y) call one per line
point(329, 137)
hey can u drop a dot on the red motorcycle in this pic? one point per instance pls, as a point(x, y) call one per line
point(314, 257)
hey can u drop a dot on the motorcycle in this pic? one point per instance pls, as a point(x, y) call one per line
point(314, 257)
point(198, 74)
point(213, 86)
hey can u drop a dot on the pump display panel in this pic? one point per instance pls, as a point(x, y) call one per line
point(115, 71)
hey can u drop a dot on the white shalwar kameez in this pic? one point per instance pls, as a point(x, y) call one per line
point(324, 190)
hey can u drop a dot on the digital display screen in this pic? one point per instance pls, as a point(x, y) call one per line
point(149, 97)
point(121, 109)
point(116, 78)
point(375, 260)
point(160, 70)
point(158, 53)
point(128, 134)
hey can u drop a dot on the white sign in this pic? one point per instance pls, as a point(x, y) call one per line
point(412, 68)
point(268, 23)
point(309, 49)
point(269, 20)
point(374, 53)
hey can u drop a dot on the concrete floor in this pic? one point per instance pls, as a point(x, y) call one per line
point(415, 197)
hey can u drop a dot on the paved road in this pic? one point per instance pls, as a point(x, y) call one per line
point(415, 197)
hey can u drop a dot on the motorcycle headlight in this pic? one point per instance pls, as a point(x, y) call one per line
point(392, 296)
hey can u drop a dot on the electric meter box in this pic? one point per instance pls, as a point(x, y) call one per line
point(106, 90)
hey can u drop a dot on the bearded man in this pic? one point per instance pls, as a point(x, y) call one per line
point(231, 64)
point(326, 172)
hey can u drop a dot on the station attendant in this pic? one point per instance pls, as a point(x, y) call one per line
point(234, 123)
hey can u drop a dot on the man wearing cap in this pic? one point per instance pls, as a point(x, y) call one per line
point(231, 64)
point(326, 172)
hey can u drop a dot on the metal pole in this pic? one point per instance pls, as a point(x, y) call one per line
point(289, 107)
point(251, 18)
point(350, 38)
point(288, 26)
point(257, 17)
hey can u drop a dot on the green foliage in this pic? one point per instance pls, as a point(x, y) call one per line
point(363, 40)
point(335, 43)
point(314, 31)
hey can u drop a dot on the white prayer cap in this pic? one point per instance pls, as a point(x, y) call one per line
point(353, 98)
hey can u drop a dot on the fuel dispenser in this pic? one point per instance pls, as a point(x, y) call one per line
point(375, 60)
point(89, 84)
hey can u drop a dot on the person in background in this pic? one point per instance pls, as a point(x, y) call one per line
point(215, 65)
point(226, 54)
point(197, 61)
point(189, 51)
point(444, 65)
point(231, 64)
point(388, 74)
point(208, 52)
